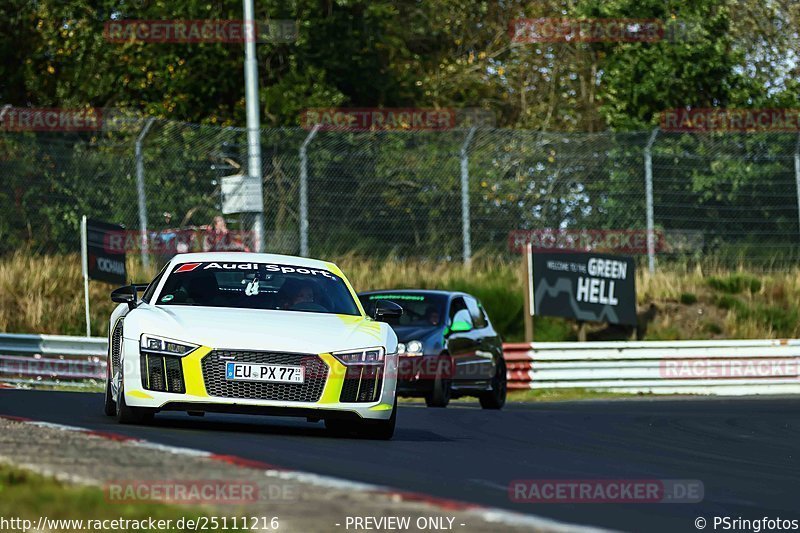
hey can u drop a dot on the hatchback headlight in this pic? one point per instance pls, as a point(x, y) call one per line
point(368, 356)
point(410, 348)
point(162, 345)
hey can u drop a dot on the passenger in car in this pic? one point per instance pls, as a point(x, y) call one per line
point(295, 292)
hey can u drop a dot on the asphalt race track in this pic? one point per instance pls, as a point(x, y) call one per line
point(745, 451)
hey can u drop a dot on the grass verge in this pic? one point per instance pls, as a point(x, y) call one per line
point(44, 294)
point(565, 395)
point(29, 496)
point(529, 395)
point(544, 395)
point(62, 387)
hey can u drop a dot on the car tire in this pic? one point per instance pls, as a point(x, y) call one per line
point(439, 396)
point(367, 429)
point(131, 415)
point(496, 398)
point(110, 407)
point(381, 429)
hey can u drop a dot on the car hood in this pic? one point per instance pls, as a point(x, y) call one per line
point(255, 329)
point(409, 333)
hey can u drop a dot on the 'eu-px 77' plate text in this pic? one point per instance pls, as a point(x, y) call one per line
point(269, 373)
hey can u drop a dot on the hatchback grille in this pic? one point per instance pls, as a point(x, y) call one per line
point(362, 383)
point(116, 346)
point(315, 372)
point(162, 373)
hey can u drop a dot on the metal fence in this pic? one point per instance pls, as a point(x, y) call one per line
point(724, 367)
point(727, 198)
point(52, 359)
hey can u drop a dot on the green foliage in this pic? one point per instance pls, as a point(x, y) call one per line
point(553, 329)
point(782, 320)
point(666, 333)
point(562, 395)
point(29, 496)
point(362, 53)
point(730, 302)
point(712, 327)
point(688, 298)
point(735, 283)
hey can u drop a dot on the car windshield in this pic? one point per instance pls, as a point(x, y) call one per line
point(257, 286)
point(419, 309)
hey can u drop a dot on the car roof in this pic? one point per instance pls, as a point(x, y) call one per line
point(250, 257)
point(415, 291)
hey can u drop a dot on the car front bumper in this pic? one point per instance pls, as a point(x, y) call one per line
point(197, 398)
point(417, 374)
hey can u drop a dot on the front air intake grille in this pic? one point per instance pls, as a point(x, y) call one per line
point(316, 374)
point(116, 346)
point(362, 383)
point(174, 371)
point(162, 373)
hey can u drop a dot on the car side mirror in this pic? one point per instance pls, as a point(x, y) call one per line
point(386, 311)
point(461, 321)
point(125, 295)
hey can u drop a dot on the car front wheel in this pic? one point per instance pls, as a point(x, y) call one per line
point(439, 395)
point(131, 415)
point(368, 429)
point(110, 407)
point(496, 398)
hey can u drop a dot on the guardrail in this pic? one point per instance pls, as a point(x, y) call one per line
point(51, 359)
point(731, 367)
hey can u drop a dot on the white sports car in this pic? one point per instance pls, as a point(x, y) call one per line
point(252, 333)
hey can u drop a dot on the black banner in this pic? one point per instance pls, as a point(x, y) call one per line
point(105, 263)
point(585, 286)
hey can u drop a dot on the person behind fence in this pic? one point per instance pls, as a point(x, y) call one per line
point(216, 235)
point(218, 238)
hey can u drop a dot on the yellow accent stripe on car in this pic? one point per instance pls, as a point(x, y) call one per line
point(368, 327)
point(333, 386)
point(381, 407)
point(193, 372)
point(138, 394)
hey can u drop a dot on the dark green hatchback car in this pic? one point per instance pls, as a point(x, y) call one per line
point(448, 347)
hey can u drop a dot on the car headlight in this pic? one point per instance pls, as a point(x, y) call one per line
point(410, 348)
point(367, 356)
point(161, 345)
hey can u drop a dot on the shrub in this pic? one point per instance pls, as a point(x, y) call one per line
point(730, 302)
point(783, 320)
point(688, 298)
point(664, 333)
point(735, 283)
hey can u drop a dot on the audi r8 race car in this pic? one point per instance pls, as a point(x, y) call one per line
point(448, 347)
point(252, 333)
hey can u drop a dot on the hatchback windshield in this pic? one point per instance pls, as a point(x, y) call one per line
point(419, 309)
point(258, 286)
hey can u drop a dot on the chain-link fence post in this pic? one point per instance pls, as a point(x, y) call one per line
point(648, 184)
point(465, 222)
point(254, 169)
point(304, 191)
point(797, 176)
point(142, 198)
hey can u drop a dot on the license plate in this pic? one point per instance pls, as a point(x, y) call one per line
point(270, 373)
